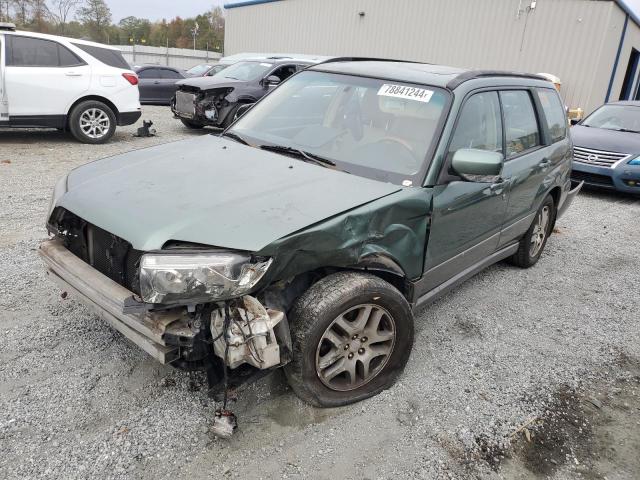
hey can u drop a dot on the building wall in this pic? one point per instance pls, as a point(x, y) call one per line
point(183, 58)
point(576, 40)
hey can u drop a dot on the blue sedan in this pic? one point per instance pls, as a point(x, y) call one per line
point(607, 147)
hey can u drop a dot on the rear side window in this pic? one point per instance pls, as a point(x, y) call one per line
point(149, 73)
point(520, 122)
point(170, 74)
point(113, 58)
point(554, 114)
point(479, 125)
point(36, 52)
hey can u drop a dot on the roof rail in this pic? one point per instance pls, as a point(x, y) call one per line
point(366, 59)
point(472, 74)
point(8, 26)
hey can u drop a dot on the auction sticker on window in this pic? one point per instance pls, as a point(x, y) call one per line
point(408, 93)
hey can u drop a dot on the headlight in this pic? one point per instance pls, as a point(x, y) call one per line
point(58, 191)
point(198, 277)
point(635, 161)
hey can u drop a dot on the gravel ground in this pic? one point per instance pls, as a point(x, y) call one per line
point(78, 401)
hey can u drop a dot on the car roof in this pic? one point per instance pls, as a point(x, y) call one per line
point(414, 72)
point(46, 36)
point(630, 103)
point(153, 65)
point(278, 59)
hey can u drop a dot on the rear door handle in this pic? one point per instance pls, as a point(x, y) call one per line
point(73, 74)
point(156, 82)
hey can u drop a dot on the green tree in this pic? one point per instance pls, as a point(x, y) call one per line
point(135, 28)
point(96, 17)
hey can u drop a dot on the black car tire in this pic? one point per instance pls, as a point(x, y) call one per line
point(83, 112)
point(191, 125)
point(231, 116)
point(527, 256)
point(314, 313)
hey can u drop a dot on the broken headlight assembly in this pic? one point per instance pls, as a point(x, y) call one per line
point(198, 277)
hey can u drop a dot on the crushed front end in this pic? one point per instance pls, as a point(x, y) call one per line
point(188, 306)
point(212, 107)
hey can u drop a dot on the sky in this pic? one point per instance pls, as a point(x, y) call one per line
point(159, 9)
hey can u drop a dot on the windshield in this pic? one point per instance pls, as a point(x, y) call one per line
point(615, 117)
point(374, 128)
point(198, 70)
point(246, 71)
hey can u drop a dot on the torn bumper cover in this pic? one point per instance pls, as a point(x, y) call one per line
point(107, 299)
point(258, 336)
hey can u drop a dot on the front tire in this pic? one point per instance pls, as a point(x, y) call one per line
point(92, 122)
point(352, 335)
point(533, 242)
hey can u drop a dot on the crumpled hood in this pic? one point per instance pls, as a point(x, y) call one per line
point(207, 83)
point(607, 140)
point(213, 191)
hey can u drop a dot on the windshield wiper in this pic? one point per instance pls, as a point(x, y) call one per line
point(306, 156)
point(625, 130)
point(236, 137)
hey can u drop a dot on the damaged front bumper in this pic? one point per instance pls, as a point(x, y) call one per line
point(170, 335)
point(205, 108)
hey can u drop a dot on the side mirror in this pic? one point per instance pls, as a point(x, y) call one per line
point(271, 81)
point(242, 109)
point(471, 163)
point(574, 121)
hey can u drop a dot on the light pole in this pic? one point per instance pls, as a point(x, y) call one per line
point(194, 32)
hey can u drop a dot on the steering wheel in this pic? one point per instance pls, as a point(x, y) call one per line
point(413, 162)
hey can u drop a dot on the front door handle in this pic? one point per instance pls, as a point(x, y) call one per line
point(73, 74)
point(156, 82)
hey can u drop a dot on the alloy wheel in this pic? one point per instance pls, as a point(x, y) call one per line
point(95, 123)
point(355, 348)
point(540, 230)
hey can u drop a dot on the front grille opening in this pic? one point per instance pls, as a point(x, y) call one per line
point(111, 255)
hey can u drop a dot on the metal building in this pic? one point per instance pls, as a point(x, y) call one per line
point(592, 45)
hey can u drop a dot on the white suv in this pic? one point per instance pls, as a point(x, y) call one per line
point(49, 81)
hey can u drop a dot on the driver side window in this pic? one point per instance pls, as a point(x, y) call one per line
point(284, 72)
point(479, 125)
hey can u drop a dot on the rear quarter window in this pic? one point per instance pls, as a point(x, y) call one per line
point(554, 114)
point(113, 58)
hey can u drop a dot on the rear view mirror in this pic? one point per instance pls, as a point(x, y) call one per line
point(470, 162)
point(272, 80)
point(574, 121)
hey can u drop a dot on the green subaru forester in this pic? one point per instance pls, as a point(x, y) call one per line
point(307, 234)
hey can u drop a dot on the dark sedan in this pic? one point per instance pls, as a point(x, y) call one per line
point(158, 83)
point(607, 147)
point(206, 70)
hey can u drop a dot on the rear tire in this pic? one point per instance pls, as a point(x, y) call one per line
point(352, 323)
point(92, 122)
point(533, 242)
point(191, 125)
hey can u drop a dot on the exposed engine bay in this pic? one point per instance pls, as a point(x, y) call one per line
point(209, 107)
point(249, 333)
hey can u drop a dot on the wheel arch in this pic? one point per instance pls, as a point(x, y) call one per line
point(96, 98)
point(282, 294)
